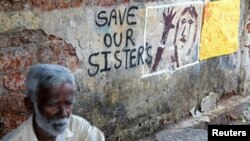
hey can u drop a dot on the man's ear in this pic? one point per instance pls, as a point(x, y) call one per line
point(28, 104)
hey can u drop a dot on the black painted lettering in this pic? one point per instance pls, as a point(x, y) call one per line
point(107, 40)
point(122, 17)
point(132, 57)
point(140, 53)
point(129, 35)
point(106, 68)
point(101, 19)
point(126, 62)
point(120, 40)
point(112, 16)
point(117, 66)
point(93, 64)
point(131, 15)
point(149, 58)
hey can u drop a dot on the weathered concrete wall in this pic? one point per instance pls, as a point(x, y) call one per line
point(245, 49)
point(111, 91)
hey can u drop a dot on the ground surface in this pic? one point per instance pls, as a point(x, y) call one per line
point(232, 111)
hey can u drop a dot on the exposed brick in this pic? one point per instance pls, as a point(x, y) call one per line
point(43, 54)
point(58, 52)
point(55, 4)
point(62, 4)
point(12, 112)
point(20, 49)
point(48, 5)
point(2, 89)
point(11, 122)
point(12, 5)
point(1, 124)
point(73, 64)
point(16, 59)
point(2, 61)
point(12, 104)
point(13, 63)
point(20, 37)
point(106, 2)
point(14, 81)
point(18, 54)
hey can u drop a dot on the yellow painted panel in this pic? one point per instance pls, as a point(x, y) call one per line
point(220, 28)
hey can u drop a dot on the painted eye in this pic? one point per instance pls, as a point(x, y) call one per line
point(190, 21)
point(69, 103)
point(183, 21)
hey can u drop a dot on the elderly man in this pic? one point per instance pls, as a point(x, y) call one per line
point(50, 96)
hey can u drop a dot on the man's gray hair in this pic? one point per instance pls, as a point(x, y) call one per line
point(46, 76)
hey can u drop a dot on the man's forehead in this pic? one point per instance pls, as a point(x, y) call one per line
point(56, 93)
point(56, 99)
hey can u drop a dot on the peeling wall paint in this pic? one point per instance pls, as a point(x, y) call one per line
point(19, 49)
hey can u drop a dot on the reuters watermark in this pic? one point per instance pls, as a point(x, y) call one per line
point(241, 132)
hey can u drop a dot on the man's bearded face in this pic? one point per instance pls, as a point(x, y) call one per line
point(52, 126)
point(54, 107)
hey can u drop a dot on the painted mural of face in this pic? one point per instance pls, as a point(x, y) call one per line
point(185, 35)
point(187, 25)
point(248, 28)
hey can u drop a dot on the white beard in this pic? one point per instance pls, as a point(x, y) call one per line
point(54, 127)
point(60, 138)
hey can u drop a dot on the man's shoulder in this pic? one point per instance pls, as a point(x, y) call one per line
point(81, 127)
point(79, 122)
point(78, 119)
point(16, 134)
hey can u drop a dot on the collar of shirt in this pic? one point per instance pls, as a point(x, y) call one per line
point(30, 133)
